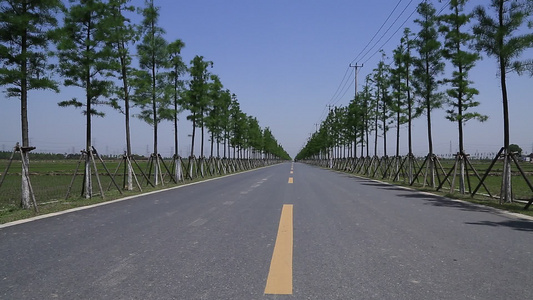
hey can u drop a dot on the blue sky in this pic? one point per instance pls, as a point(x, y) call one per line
point(285, 61)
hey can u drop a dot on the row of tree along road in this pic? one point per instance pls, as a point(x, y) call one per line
point(411, 85)
point(94, 49)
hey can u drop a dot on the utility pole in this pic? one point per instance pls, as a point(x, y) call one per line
point(356, 66)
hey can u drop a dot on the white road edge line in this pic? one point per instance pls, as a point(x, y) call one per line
point(18, 222)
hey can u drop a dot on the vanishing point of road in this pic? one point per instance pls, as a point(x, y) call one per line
point(289, 231)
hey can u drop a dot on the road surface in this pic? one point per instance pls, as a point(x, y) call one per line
point(289, 231)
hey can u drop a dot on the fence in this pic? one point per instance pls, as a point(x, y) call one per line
point(413, 171)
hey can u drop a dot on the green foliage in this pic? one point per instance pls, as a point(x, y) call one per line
point(25, 33)
point(254, 133)
point(214, 118)
point(150, 83)
point(85, 58)
point(398, 84)
point(175, 85)
point(271, 147)
point(355, 120)
point(177, 69)
point(429, 63)
point(515, 148)
point(223, 103)
point(497, 36)
point(382, 80)
point(196, 98)
point(122, 34)
point(456, 41)
point(237, 124)
point(428, 66)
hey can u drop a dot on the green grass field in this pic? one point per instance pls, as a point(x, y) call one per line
point(51, 180)
point(493, 182)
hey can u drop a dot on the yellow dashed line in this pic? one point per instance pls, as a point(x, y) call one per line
point(279, 280)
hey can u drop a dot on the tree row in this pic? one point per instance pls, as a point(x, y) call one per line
point(93, 42)
point(412, 82)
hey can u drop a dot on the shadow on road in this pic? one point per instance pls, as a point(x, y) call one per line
point(434, 200)
point(439, 201)
point(515, 224)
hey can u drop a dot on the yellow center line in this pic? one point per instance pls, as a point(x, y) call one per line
point(279, 280)
point(290, 180)
point(292, 172)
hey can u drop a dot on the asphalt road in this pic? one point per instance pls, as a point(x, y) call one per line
point(352, 239)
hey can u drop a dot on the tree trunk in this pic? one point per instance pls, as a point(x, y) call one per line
point(192, 145)
point(88, 148)
point(384, 129)
point(124, 71)
point(430, 142)
point(193, 133)
point(225, 142)
point(398, 116)
point(505, 195)
point(212, 144)
point(154, 107)
point(202, 139)
point(376, 127)
point(176, 113)
point(25, 199)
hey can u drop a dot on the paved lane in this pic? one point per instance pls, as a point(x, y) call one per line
point(358, 239)
point(352, 239)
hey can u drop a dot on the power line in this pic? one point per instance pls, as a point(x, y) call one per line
point(396, 20)
point(396, 31)
point(340, 84)
point(385, 22)
point(343, 90)
point(401, 26)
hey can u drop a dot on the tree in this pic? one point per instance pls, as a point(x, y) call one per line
point(515, 149)
point(85, 61)
point(151, 93)
point(399, 90)
point(272, 149)
point(461, 94)
point(407, 60)
point(383, 100)
point(427, 67)
point(25, 33)
point(196, 98)
point(403, 89)
point(122, 34)
point(355, 119)
point(237, 127)
point(367, 103)
point(255, 135)
point(498, 37)
point(400, 103)
point(178, 68)
point(224, 103)
point(214, 116)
